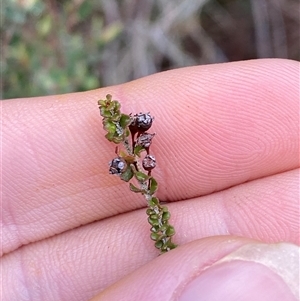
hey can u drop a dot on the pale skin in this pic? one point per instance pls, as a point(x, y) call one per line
point(227, 152)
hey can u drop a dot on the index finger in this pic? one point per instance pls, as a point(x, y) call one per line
point(217, 126)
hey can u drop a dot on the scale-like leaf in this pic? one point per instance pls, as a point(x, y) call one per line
point(141, 177)
point(124, 120)
point(153, 186)
point(127, 174)
point(134, 188)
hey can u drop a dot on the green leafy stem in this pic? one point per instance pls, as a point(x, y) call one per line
point(131, 131)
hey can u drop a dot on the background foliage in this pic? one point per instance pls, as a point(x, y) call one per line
point(52, 46)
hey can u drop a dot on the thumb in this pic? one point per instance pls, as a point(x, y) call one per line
point(221, 268)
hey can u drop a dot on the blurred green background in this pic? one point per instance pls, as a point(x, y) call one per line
point(52, 46)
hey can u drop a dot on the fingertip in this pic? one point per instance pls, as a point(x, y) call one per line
point(214, 269)
point(254, 271)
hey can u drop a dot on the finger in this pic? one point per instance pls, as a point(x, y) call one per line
point(92, 257)
point(217, 126)
point(214, 269)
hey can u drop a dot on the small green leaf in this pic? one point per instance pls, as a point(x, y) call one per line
point(102, 102)
point(117, 139)
point(109, 126)
point(127, 174)
point(149, 211)
point(154, 236)
point(154, 216)
point(153, 202)
point(109, 136)
point(114, 106)
point(115, 117)
point(138, 149)
point(124, 120)
point(172, 245)
point(166, 216)
point(141, 177)
point(153, 222)
point(104, 112)
point(170, 231)
point(154, 229)
point(168, 246)
point(153, 186)
point(134, 188)
point(159, 244)
point(165, 209)
point(163, 228)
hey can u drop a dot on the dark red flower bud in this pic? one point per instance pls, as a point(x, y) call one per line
point(145, 139)
point(117, 166)
point(149, 162)
point(141, 122)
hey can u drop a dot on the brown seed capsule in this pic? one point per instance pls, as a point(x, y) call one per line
point(141, 123)
point(149, 162)
point(145, 140)
point(117, 166)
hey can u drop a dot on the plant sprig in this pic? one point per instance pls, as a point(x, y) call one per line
point(131, 131)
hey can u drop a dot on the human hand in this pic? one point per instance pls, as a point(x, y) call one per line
point(227, 158)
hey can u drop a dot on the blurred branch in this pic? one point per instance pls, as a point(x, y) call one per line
point(262, 28)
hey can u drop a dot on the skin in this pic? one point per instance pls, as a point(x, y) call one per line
point(227, 152)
